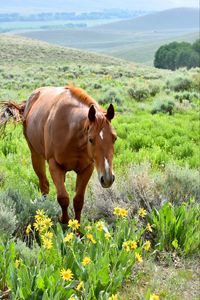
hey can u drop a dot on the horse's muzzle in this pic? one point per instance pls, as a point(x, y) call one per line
point(107, 181)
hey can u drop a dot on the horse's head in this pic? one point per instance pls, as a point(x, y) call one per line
point(101, 138)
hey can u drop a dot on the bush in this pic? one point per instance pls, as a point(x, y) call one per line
point(110, 97)
point(179, 84)
point(137, 189)
point(139, 93)
point(186, 96)
point(163, 105)
point(154, 89)
point(179, 184)
point(23, 209)
point(8, 220)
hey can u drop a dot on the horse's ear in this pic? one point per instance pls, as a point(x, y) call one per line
point(110, 112)
point(91, 113)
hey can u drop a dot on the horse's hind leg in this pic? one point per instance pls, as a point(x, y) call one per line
point(38, 163)
point(58, 176)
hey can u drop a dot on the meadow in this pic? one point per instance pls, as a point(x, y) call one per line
point(142, 240)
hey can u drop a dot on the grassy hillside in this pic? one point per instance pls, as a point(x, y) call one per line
point(135, 40)
point(176, 18)
point(28, 51)
point(155, 197)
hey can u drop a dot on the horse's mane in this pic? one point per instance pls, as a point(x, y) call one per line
point(82, 96)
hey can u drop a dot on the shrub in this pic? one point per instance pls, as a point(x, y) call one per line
point(179, 184)
point(137, 189)
point(110, 97)
point(163, 105)
point(8, 220)
point(186, 96)
point(139, 93)
point(179, 84)
point(196, 80)
point(23, 209)
point(154, 89)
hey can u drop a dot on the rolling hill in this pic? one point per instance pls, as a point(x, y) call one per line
point(29, 50)
point(172, 19)
point(135, 40)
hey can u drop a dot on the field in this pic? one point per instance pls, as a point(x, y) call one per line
point(143, 238)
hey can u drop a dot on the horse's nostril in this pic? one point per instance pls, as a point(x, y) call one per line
point(102, 180)
point(113, 178)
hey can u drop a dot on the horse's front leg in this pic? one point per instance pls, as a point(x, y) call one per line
point(81, 183)
point(58, 176)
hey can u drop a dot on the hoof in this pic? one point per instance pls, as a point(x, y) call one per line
point(63, 220)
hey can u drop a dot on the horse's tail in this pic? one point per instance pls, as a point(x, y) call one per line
point(11, 111)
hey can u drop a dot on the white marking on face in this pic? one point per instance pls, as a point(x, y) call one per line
point(101, 134)
point(107, 166)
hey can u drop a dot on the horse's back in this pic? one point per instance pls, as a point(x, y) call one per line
point(37, 111)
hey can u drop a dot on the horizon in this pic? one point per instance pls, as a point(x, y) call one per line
point(36, 6)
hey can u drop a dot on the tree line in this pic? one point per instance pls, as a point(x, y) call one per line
point(176, 55)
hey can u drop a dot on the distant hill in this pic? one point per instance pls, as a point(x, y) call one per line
point(177, 18)
point(135, 40)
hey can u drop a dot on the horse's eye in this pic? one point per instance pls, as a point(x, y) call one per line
point(114, 139)
point(91, 141)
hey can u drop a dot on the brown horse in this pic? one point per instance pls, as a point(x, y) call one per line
point(67, 128)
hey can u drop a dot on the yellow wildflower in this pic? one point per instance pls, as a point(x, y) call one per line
point(80, 286)
point(72, 298)
point(74, 224)
point(154, 297)
point(68, 237)
point(37, 226)
point(47, 223)
point(117, 211)
point(47, 235)
point(121, 212)
point(133, 245)
point(99, 225)
point(66, 274)
point(124, 212)
point(40, 214)
point(149, 228)
point(138, 257)
point(113, 297)
point(47, 244)
point(129, 245)
point(28, 229)
point(142, 212)
point(126, 246)
point(107, 236)
point(17, 263)
point(90, 237)
point(86, 261)
point(147, 245)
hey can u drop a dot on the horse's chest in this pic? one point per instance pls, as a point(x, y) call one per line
point(73, 159)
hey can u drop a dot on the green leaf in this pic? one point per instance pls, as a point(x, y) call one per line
point(45, 296)
point(175, 244)
point(40, 283)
